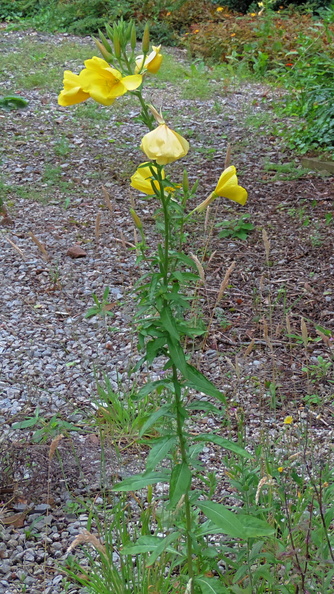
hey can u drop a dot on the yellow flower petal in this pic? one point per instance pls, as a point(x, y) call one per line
point(72, 92)
point(104, 83)
point(227, 187)
point(152, 62)
point(142, 179)
point(132, 82)
point(163, 145)
point(288, 420)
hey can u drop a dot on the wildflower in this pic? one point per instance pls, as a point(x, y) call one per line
point(143, 181)
point(152, 62)
point(163, 145)
point(227, 187)
point(252, 14)
point(288, 420)
point(232, 35)
point(289, 64)
point(219, 9)
point(280, 469)
point(72, 92)
point(104, 83)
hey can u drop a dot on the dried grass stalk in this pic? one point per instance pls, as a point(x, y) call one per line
point(266, 244)
point(54, 445)
point(15, 247)
point(266, 480)
point(228, 156)
point(86, 537)
point(206, 221)
point(304, 332)
point(249, 348)
point(198, 266)
point(98, 226)
point(40, 246)
point(224, 283)
point(107, 200)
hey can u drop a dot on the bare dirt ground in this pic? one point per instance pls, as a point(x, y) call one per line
point(54, 164)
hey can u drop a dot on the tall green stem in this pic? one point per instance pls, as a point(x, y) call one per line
point(184, 457)
point(177, 389)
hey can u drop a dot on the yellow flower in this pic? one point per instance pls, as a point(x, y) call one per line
point(72, 92)
point(219, 9)
point(104, 83)
point(227, 187)
point(152, 62)
point(288, 420)
point(252, 14)
point(163, 145)
point(142, 179)
point(280, 469)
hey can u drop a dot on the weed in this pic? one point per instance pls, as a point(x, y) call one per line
point(237, 228)
point(101, 308)
point(319, 370)
point(46, 428)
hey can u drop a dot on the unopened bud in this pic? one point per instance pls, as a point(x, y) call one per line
point(107, 55)
point(146, 39)
point(133, 36)
point(105, 42)
point(136, 219)
point(117, 46)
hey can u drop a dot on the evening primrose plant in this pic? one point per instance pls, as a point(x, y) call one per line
point(164, 296)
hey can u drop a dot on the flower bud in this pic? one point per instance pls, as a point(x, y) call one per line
point(146, 39)
point(107, 55)
point(105, 42)
point(133, 36)
point(136, 219)
point(117, 46)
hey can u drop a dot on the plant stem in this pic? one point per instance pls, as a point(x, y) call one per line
point(184, 457)
point(146, 116)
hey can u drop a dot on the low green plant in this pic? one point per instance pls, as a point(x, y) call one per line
point(319, 370)
point(236, 228)
point(45, 429)
point(101, 308)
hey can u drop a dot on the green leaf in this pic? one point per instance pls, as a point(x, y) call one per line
point(168, 322)
point(153, 347)
point(224, 443)
point(210, 585)
point(226, 520)
point(179, 484)
point(144, 544)
point(254, 527)
point(164, 543)
point(159, 451)
point(151, 387)
point(204, 405)
point(194, 377)
point(139, 481)
point(235, 525)
point(163, 410)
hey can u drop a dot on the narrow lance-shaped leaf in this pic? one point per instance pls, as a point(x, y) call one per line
point(224, 443)
point(159, 451)
point(179, 483)
point(139, 481)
